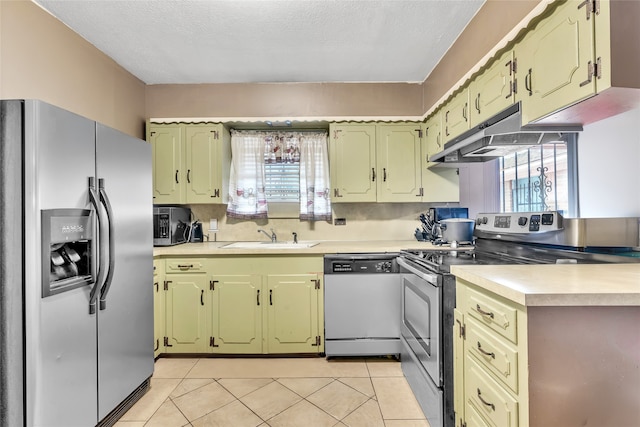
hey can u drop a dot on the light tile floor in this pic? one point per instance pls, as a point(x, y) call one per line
point(276, 392)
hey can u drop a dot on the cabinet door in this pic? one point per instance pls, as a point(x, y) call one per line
point(237, 306)
point(556, 62)
point(187, 296)
point(492, 91)
point(438, 184)
point(203, 173)
point(456, 115)
point(399, 167)
point(168, 175)
point(352, 161)
point(159, 307)
point(458, 368)
point(292, 313)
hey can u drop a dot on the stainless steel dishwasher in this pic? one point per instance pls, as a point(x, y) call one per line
point(362, 308)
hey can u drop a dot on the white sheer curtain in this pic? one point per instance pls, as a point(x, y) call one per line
point(246, 182)
point(315, 203)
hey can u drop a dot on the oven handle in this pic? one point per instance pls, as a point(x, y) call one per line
point(432, 278)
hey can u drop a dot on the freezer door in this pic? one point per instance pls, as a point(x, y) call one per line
point(125, 315)
point(60, 335)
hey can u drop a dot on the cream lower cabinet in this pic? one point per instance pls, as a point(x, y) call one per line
point(244, 305)
point(489, 359)
point(186, 288)
point(293, 313)
point(236, 313)
point(540, 366)
point(159, 307)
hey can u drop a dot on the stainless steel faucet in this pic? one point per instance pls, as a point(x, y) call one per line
point(273, 236)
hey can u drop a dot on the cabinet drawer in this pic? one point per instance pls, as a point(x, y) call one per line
point(494, 353)
point(494, 314)
point(472, 416)
point(492, 401)
point(178, 265)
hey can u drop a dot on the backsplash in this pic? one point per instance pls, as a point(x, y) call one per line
point(364, 221)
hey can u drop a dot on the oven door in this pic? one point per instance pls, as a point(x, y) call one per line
point(421, 317)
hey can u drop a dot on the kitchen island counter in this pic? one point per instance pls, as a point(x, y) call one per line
point(323, 247)
point(558, 284)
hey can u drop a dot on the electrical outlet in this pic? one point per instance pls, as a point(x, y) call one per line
point(340, 221)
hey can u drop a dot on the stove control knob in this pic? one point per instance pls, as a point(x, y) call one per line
point(522, 221)
point(481, 221)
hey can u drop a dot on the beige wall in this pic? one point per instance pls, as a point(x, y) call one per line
point(41, 58)
point(494, 20)
point(365, 221)
point(285, 100)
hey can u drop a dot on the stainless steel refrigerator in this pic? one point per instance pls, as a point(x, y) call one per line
point(76, 269)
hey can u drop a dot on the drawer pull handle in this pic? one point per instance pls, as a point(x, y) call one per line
point(491, 405)
point(484, 313)
point(185, 266)
point(486, 353)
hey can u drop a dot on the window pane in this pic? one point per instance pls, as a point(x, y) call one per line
point(535, 179)
point(282, 182)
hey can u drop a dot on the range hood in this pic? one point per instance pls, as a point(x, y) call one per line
point(499, 136)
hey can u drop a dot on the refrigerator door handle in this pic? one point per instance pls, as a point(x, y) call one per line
point(104, 290)
point(93, 295)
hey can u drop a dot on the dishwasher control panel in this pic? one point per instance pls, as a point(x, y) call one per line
point(360, 264)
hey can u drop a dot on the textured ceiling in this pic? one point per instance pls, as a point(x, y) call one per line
point(241, 41)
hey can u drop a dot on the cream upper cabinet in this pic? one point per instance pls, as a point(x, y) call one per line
point(207, 163)
point(375, 162)
point(438, 184)
point(236, 313)
point(167, 147)
point(456, 115)
point(398, 159)
point(494, 89)
point(352, 162)
point(190, 163)
point(556, 61)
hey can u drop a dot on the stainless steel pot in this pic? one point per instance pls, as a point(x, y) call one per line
point(455, 230)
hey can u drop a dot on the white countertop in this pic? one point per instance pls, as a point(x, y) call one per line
point(323, 247)
point(558, 284)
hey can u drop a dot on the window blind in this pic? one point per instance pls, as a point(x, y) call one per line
point(282, 182)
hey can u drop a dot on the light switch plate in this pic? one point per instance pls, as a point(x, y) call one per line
point(340, 221)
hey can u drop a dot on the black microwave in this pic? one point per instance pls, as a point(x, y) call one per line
point(171, 225)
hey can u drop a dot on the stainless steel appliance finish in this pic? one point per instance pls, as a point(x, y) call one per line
point(75, 284)
point(508, 238)
point(171, 225)
point(551, 228)
point(362, 305)
point(499, 136)
point(456, 230)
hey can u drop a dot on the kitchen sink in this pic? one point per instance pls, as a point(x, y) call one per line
point(270, 245)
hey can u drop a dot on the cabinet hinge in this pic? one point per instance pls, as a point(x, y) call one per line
point(166, 342)
point(463, 330)
point(212, 342)
point(590, 6)
point(317, 283)
point(419, 133)
point(166, 284)
point(597, 68)
point(317, 341)
point(212, 284)
point(514, 65)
